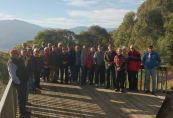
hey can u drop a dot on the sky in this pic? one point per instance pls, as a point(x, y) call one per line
point(68, 13)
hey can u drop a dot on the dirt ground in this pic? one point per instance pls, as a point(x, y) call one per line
point(72, 101)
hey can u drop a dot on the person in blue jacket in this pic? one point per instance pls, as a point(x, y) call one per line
point(151, 62)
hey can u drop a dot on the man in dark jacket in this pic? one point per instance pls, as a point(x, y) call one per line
point(72, 61)
point(53, 60)
point(64, 57)
point(18, 74)
point(37, 68)
point(109, 63)
point(77, 63)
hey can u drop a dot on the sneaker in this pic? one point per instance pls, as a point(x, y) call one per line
point(147, 91)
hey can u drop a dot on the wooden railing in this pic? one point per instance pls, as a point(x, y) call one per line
point(8, 103)
point(161, 79)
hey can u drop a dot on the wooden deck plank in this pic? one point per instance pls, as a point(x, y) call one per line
point(70, 101)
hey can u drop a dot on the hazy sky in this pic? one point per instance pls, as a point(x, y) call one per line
point(68, 13)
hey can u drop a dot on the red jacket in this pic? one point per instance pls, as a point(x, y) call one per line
point(134, 61)
point(89, 61)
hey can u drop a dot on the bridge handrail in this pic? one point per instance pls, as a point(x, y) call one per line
point(8, 103)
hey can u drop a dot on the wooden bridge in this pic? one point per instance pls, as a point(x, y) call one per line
point(75, 101)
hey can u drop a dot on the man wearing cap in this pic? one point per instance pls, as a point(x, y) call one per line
point(151, 62)
point(17, 72)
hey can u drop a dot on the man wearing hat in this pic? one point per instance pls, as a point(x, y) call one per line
point(17, 72)
point(151, 62)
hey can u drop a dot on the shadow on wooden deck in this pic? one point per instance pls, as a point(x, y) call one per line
point(70, 101)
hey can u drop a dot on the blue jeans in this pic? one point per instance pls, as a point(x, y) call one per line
point(151, 72)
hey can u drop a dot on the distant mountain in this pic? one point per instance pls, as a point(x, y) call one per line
point(14, 32)
point(79, 29)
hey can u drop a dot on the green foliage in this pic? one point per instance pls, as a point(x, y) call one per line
point(3, 67)
point(95, 36)
point(152, 24)
point(54, 36)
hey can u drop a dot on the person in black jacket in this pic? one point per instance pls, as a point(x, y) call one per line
point(64, 57)
point(53, 60)
point(37, 68)
point(72, 61)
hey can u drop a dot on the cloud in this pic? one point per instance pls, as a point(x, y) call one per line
point(6, 16)
point(81, 3)
point(105, 14)
point(106, 17)
point(132, 1)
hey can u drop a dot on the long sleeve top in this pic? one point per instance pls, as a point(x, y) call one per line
point(12, 72)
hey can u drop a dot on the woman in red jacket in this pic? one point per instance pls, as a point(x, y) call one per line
point(90, 65)
point(46, 66)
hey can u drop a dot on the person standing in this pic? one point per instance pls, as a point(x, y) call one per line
point(100, 67)
point(46, 70)
point(90, 65)
point(72, 60)
point(134, 63)
point(83, 64)
point(37, 68)
point(77, 63)
point(120, 63)
point(151, 62)
point(64, 57)
point(18, 74)
point(53, 60)
point(109, 64)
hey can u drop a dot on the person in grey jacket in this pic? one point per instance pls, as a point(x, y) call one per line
point(83, 64)
point(100, 67)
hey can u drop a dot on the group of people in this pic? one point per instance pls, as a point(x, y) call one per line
point(62, 64)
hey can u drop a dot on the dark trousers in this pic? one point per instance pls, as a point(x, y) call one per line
point(21, 95)
point(120, 81)
point(76, 73)
point(91, 75)
point(72, 72)
point(99, 73)
point(133, 81)
point(46, 74)
point(110, 70)
point(84, 75)
point(55, 73)
point(37, 80)
point(64, 70)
